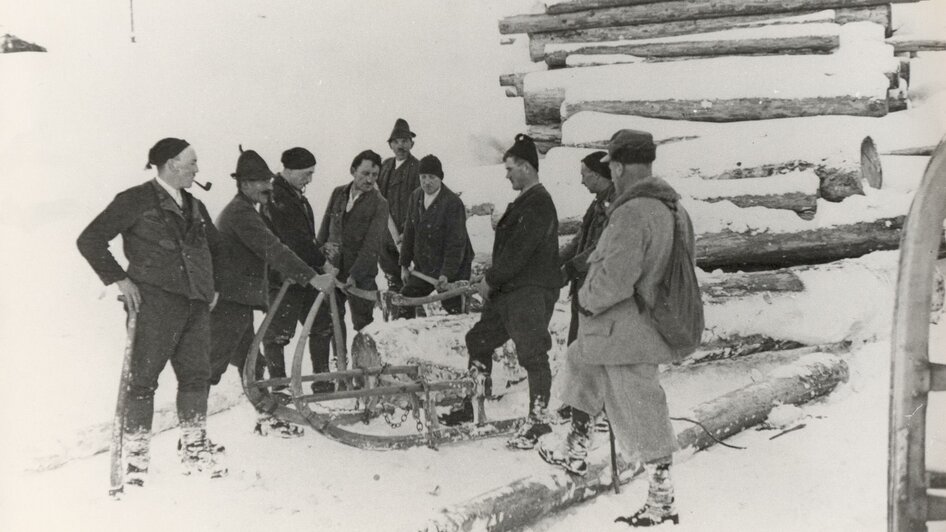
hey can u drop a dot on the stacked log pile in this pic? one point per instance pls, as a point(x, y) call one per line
point(753, 105)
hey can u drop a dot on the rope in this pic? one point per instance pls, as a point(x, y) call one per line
point(707, 431)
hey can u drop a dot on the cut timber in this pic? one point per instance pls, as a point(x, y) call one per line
point(513, 81)
point(668, 12)
point(905, 133)
point(704, 90)
point(546, 136)
point(746, 312)
point(842, 163)
point(538, 41)
point(526, 500)
point(924, 151)
point(728, 249)
point(779, 39)
point(906, 44)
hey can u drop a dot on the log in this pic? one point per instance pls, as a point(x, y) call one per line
point(732, 250)
point(784, 39)
point(526, 500)
point(894, 134)
point(546, 136)
point(842, 162)
point(667, 12)
point(906, 44)
point(513, 81)
point(924, 151)
point(704, 89)
point(538, 41)
point(746, 312)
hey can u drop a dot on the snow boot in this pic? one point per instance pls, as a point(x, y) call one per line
point(659, 507)
point(572, 453)
point(137, 457)
point(535, 426)
point(269, 425)
point(199, 455)
point(213, 446)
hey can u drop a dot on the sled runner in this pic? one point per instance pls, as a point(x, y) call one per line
point(380, 389)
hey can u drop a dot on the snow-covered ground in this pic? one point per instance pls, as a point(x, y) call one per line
point(332, 76)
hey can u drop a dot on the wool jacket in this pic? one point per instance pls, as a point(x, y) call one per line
point(525, 247)
point(290, 216)
point(170, 247)
point(630, 259)
point(358, 233)
point(574, 255)
point(250, 248)
point(396, 186)
point(435, 238)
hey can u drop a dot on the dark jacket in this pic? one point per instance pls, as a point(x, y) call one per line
point(397, 185)
point(250, 247)
point(357, 232)
point(574, 255)
point(435, 238)
point(525, 249)
point(290, 217)
point(166, 246)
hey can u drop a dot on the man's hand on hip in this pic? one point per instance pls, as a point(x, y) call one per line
point(131, 293)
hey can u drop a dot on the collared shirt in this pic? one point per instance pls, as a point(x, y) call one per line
point(429, 198)
point(397, 164)
point(175, 193)
point(353, 195)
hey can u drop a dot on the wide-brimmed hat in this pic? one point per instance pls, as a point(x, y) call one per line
point(631, 146)
point(401, 130)
point(251, 167)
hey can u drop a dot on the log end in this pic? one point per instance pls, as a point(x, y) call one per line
point(871, 170)
point(364, 351)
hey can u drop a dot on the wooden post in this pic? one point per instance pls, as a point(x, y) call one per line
point(907, 501)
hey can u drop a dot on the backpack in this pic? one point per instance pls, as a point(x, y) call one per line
point(678, 306)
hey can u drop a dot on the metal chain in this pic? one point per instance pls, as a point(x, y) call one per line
point(393, 424)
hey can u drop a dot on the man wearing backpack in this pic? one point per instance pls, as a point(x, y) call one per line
point(620, 342)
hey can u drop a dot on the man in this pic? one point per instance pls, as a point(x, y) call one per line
point(249, 249)
point(290, 217)
point(520, 289)
point(167, 238)
point(354, 223)
point(398, 179)
point(613, 363)
point(435, 237)
point(596, 177)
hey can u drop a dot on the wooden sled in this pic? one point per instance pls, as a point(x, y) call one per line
point(372, 385)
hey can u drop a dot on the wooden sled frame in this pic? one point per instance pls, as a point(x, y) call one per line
point(259, 392)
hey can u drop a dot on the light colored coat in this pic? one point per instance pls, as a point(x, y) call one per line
point(630, 258)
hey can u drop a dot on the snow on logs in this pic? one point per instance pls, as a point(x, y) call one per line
point(704, 89)
point(525, 500)
point(843, 160)
point(745, 313)
point(879, 14)
point(583, 17)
